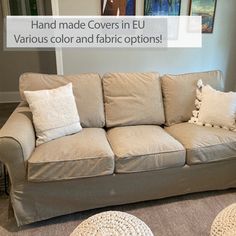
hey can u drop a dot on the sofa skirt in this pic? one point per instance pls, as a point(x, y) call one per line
point(39, 201)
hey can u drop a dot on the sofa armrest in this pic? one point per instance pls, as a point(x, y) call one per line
point(17, 142)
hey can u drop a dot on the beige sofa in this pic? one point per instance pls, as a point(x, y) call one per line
point(140, 147)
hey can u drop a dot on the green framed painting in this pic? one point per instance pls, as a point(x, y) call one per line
point(206, 9)
point(162, 7)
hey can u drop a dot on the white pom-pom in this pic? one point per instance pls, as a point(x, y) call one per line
point(199, 123)
point(217, 126)
point(226, 128)
point(193, 120)
point(199, 94)
point(197, 104)
point(199, 84)
point(195, 113)
point(208, 125)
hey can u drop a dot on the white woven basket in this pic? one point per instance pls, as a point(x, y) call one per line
point(112, 223)
point(225, 222)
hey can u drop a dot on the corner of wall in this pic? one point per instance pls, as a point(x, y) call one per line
point(58, 51)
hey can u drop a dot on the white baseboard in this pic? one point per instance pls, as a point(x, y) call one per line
point(8, 97)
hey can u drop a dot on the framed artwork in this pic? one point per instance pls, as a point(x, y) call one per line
point(206, 9)
point(118, 7)
point(162, 7)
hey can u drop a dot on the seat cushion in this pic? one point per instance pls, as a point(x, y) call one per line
point(204, 144)
point(133, 99)
point(144, 148)
point(84, 154)
point(87, 89)
point(179, 105)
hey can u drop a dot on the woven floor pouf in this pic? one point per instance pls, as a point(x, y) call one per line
point(225, 222)
point(112, 223)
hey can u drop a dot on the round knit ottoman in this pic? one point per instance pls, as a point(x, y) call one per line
point(225, 222)
point(112, 223)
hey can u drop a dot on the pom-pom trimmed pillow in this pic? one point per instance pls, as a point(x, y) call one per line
point(54, 113)
point(214, 108)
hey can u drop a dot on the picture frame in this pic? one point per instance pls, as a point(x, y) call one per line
point(162, 7)
point(206, 9)
point(118, 7)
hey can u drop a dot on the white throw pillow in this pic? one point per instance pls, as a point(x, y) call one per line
point(214, 108)
point(54, 113)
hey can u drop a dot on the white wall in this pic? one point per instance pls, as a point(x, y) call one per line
point(14, 63)
point(218, 51)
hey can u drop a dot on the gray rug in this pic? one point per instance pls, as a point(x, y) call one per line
point(187, 215)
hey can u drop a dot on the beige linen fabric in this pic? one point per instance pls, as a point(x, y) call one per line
point(133, 99)
point(84, 154)
point(17, 142)
point(87, 89)
point(204, 144)
point(179, 93)
point(38, 201)
point(144, 148)
point(19, 127)
point(54, 113)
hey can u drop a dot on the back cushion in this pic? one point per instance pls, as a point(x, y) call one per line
point(133, 99)
point(87, 90)
point(179, 93)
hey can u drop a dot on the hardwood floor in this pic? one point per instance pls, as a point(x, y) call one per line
point(5, 111)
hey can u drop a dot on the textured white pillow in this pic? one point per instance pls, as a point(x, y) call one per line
point(54, 113)
point(214, 108)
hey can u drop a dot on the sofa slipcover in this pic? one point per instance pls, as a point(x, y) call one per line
point(133, 99)
point(17, 142)
point(204, 144)
point(85, 154)
point(144, 148)
point(87, 89)
point(39, 201)
point(179, 93)
point(35, 201)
